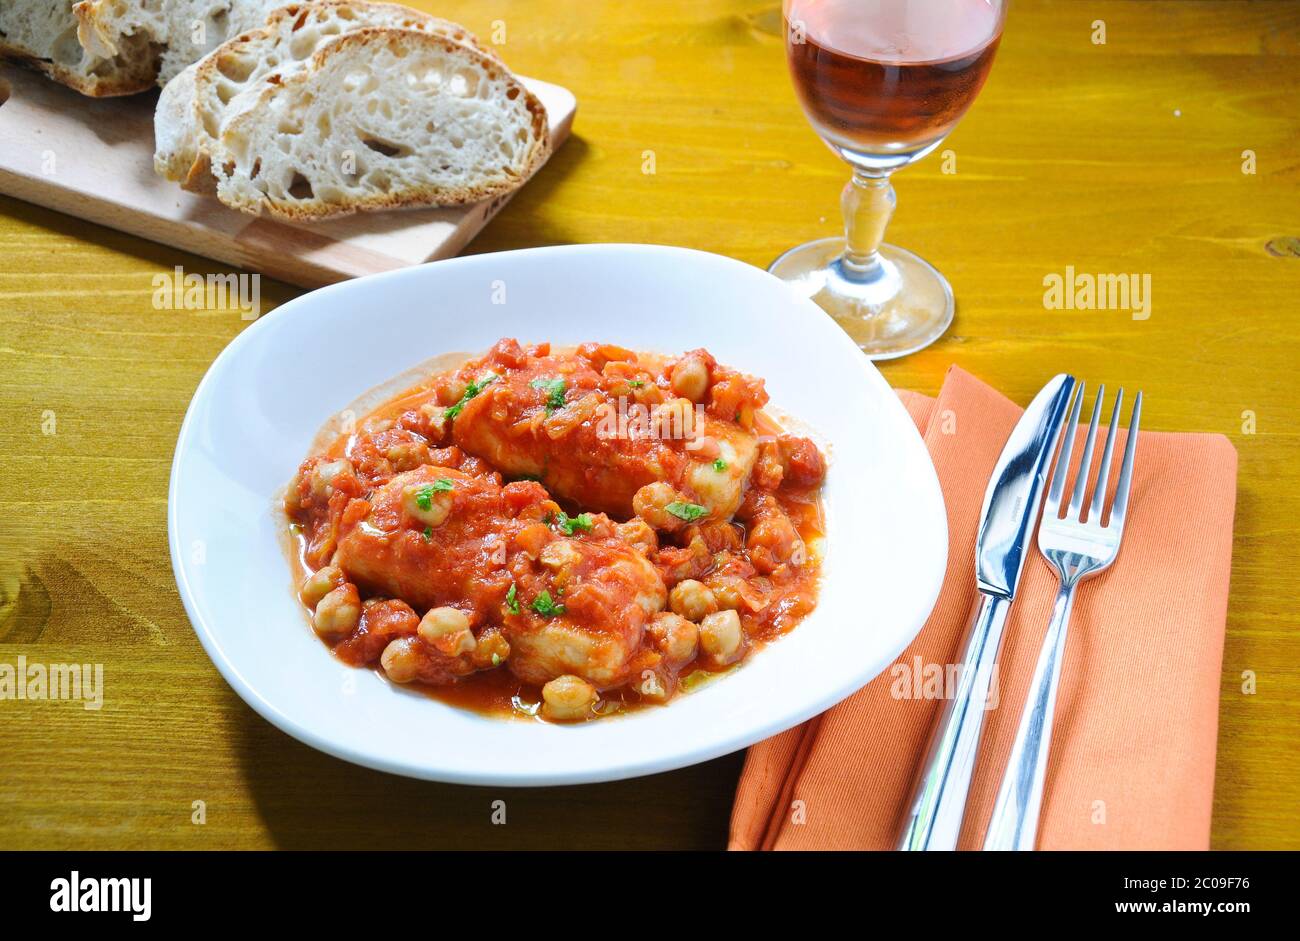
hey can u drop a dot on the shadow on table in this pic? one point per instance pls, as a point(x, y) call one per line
point(525, 222)
point(309, 800)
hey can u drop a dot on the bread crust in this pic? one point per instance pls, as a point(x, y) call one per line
point(454, 32)
point(92, 86)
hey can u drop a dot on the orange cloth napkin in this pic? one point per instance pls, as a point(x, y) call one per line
point(1132, 757)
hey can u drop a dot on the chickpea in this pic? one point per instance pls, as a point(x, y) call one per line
point(692, 600)
point(438, 622)
point(401, 660)
point(427, 505)
point(638, 534)
point(338, 612)
point(722, 638)
point(447, 631)
point(319, 584)
point(322, 477)
point(727, 596)
point(676, 637)
point(458, 644)
point(690, 378)
point(656, 686)
point(408, 455)
point(648, 395)
point(675, 420)
point(651, 504)
point(567, 698)
point(492, 649)
point(773, 541)
point(559, 554)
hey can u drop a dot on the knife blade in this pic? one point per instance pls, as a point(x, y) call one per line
point(1012, 503)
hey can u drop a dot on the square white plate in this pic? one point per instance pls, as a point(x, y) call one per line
point(255, 413)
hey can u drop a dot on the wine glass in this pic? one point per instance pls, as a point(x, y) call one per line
point(883, 82)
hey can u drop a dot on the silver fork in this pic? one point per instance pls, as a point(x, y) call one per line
point(1077, 550)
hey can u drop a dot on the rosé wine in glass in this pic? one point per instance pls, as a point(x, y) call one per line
point(883, 82)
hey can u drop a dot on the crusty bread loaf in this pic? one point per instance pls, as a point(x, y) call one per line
point(42, 34)
point(121, 47)
point(194, 107)
point(381, 118)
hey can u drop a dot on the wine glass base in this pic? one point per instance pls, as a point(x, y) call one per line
point(904, 308)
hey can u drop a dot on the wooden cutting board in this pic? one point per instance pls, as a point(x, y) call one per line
point(93, 159)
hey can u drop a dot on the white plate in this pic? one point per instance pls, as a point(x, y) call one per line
point(255, 413)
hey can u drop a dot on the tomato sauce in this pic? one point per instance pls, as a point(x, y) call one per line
point(748, 527)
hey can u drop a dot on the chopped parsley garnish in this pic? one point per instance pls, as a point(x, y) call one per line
point(424, 496)
point(571, 524)
point(428, 534)
point(474, 388)
point(546, 607)
point(719, 465)
point(554, 389)
point(686, 511)
point(496, 659)
point(512, 599)
point(636, 383)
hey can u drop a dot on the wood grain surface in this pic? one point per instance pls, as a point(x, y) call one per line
point(1122, 157)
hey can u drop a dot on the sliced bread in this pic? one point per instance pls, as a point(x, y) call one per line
point(381, 119)
point(42, 34)
point(195, 105)
point(121, 47)
point(182, 31)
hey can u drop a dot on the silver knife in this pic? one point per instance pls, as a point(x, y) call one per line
point(1011, 506)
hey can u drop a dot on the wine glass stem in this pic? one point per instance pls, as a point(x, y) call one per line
point(868, 202)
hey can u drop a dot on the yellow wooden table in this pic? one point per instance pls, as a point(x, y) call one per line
point(1128, 156)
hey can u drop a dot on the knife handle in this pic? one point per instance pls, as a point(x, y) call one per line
point(938, 801)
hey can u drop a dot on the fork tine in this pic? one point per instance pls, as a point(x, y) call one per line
point(1103, 474)
point(1085, 462)
point(1126, 469)
point(1053, 506)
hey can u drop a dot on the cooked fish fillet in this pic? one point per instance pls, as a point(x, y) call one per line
point(554, 417)
point(579, 604)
